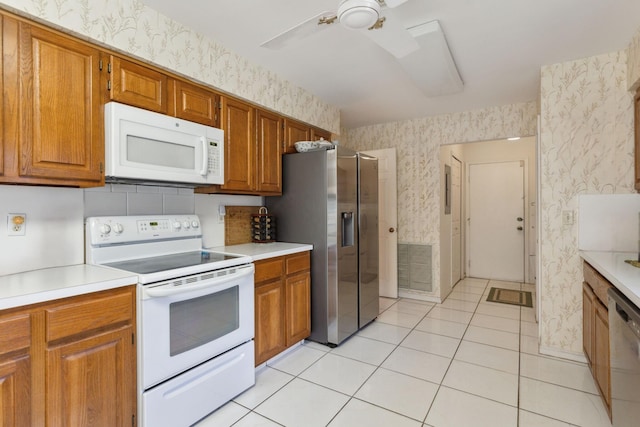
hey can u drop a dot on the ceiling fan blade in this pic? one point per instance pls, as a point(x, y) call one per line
point(299, 31)
point(393, 37)
point(394, 3)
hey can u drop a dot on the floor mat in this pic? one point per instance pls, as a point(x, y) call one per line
point(510, 296)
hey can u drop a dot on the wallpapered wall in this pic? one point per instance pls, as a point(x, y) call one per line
point(132, 27)
point(417, 145)
point(633, 65)
point(586, 145)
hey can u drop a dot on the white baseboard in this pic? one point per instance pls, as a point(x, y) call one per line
point(409, 293)
point(570, 355)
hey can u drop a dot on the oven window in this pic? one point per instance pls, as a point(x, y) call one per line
point(202, 320)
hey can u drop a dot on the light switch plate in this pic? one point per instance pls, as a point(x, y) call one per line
point(16, 224)
point(567, 218)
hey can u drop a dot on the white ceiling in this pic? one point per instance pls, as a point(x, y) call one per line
point(498, 46)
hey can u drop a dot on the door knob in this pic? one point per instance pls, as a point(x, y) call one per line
point(520, 219)
point(519, 228)
point(391, 229)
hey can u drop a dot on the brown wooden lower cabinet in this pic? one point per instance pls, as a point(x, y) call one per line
point(70, 362)
point(282, 304)
point(596, 331)
point(15, 370)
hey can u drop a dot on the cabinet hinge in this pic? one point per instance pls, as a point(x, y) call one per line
point(133, 420)
point(100, 64)
point(101, 167)
point(109, 68)
point(108, 84)
point(133, 339)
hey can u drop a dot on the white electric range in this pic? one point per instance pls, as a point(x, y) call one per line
point(195, 314)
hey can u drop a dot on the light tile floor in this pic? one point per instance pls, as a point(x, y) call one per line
point(465, 362)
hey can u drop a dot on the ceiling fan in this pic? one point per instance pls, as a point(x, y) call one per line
point(365, 15)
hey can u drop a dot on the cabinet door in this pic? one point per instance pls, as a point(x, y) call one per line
point(193, 103)
point(4, 94)
point(602, 366)
point(269, 158)
point(588, 310)
point(136, 85)
point(317, 134)
point(293, 132)
point(61, 129)
point(238, 123)
point(298, 289)
point(15, 371)
point(636, 104)
point(269, 320)
point(90, 382)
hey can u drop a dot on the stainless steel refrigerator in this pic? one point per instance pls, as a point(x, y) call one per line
point(330, 200)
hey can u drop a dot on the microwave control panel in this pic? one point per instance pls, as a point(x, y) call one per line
point(215, 158)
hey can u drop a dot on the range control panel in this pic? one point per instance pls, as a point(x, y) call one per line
point(129, 229)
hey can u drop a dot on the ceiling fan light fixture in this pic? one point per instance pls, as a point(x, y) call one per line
point(358, 14)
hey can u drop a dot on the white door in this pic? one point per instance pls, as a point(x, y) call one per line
point(496, 221)
point(456, 223)
point(387, 221)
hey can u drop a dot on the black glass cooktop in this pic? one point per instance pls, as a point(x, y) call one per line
point(170, 262)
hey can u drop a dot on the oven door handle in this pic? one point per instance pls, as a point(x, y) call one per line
point(168, 290)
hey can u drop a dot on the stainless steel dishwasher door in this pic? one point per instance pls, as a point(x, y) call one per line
point(624, 335)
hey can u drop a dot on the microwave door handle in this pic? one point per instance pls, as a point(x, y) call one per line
point(166, 291)
point(205, 157)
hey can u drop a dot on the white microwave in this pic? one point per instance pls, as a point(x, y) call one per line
point(146, 147)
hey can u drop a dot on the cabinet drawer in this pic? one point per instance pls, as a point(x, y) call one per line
point(269, 269)
point(88, 315)
point(598, 283)
point(15, 333)
point(297, 262)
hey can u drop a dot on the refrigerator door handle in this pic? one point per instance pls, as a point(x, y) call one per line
point(348, 231)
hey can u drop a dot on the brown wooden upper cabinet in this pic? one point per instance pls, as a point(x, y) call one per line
point(295, 131)
point(136, 85)
point(54, 87)
point(317, 134)
point(636, 103)
point(238, 123)
point(2, 136)
point(253, 154)
point(194, 103)
point(53, 129)
point(269, 153)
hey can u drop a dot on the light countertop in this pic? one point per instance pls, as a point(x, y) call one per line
point(258, 251)
point(48, 284)
point(612, 265)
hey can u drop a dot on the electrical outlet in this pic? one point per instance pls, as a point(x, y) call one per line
point(567, 218)
point(16, 224)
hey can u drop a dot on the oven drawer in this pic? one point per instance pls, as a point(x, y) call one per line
point(189, 397)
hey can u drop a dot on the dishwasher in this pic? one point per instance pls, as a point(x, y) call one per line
point(624, 335)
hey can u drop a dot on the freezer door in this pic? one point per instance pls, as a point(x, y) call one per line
point(345, 298)
point(368, 238)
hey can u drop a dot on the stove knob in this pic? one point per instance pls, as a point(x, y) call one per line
point(195, 224)
point(186, 225)
point(118, 228)
point(177, 225)
point(105, 229)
